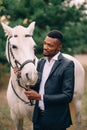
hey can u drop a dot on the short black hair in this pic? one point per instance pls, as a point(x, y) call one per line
point(56, 34)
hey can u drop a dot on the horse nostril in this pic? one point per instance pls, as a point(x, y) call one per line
point(27, 76)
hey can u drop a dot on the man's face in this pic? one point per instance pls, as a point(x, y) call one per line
point(51, 46)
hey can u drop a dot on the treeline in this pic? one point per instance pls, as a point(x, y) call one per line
point(48, 15)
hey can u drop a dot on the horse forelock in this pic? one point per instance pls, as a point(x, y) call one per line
point(20, 30)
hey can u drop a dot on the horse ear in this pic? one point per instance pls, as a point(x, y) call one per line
point(7, 29)
point(31, 28)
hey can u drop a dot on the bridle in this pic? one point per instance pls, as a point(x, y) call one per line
point(19, 66)
point(16, 61)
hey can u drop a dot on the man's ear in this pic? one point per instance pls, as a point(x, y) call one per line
point(60, 47)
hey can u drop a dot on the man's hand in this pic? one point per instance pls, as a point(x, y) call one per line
point(32, 95)
point(17, 72)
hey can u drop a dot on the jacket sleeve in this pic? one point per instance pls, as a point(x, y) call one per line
point(67, 88)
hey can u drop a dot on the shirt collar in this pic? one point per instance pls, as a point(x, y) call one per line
point(55, 57)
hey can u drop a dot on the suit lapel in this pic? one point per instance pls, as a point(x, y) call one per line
point(56, 64)
point(42, 65)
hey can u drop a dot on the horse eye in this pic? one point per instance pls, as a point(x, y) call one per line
point(15, 35)
point(27, 35)
point(14, 47)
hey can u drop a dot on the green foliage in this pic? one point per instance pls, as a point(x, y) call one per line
point(75, 39)
point(2, 46)
point(48, 14)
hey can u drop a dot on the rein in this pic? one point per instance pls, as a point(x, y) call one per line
point(30, 101)
point(19, 69)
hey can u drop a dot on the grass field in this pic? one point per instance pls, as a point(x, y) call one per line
point(5, 120)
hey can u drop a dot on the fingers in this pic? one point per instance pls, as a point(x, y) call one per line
point(16, 70)
point(27, 93)
point(33, 95)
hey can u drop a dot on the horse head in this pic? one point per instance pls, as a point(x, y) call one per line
point(20, 51)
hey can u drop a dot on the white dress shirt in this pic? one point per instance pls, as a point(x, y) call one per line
point(46, 71)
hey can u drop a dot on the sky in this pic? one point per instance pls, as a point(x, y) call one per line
point(78, 1)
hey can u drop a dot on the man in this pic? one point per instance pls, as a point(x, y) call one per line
point(54, 89)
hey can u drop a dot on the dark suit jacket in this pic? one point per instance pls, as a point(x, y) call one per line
point(59, 89)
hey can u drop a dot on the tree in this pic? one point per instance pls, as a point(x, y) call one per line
point(49, 14)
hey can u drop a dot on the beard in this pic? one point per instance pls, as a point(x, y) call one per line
point(49, 54)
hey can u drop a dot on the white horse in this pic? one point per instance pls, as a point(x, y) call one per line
point(20, 53)
point(78, 91)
